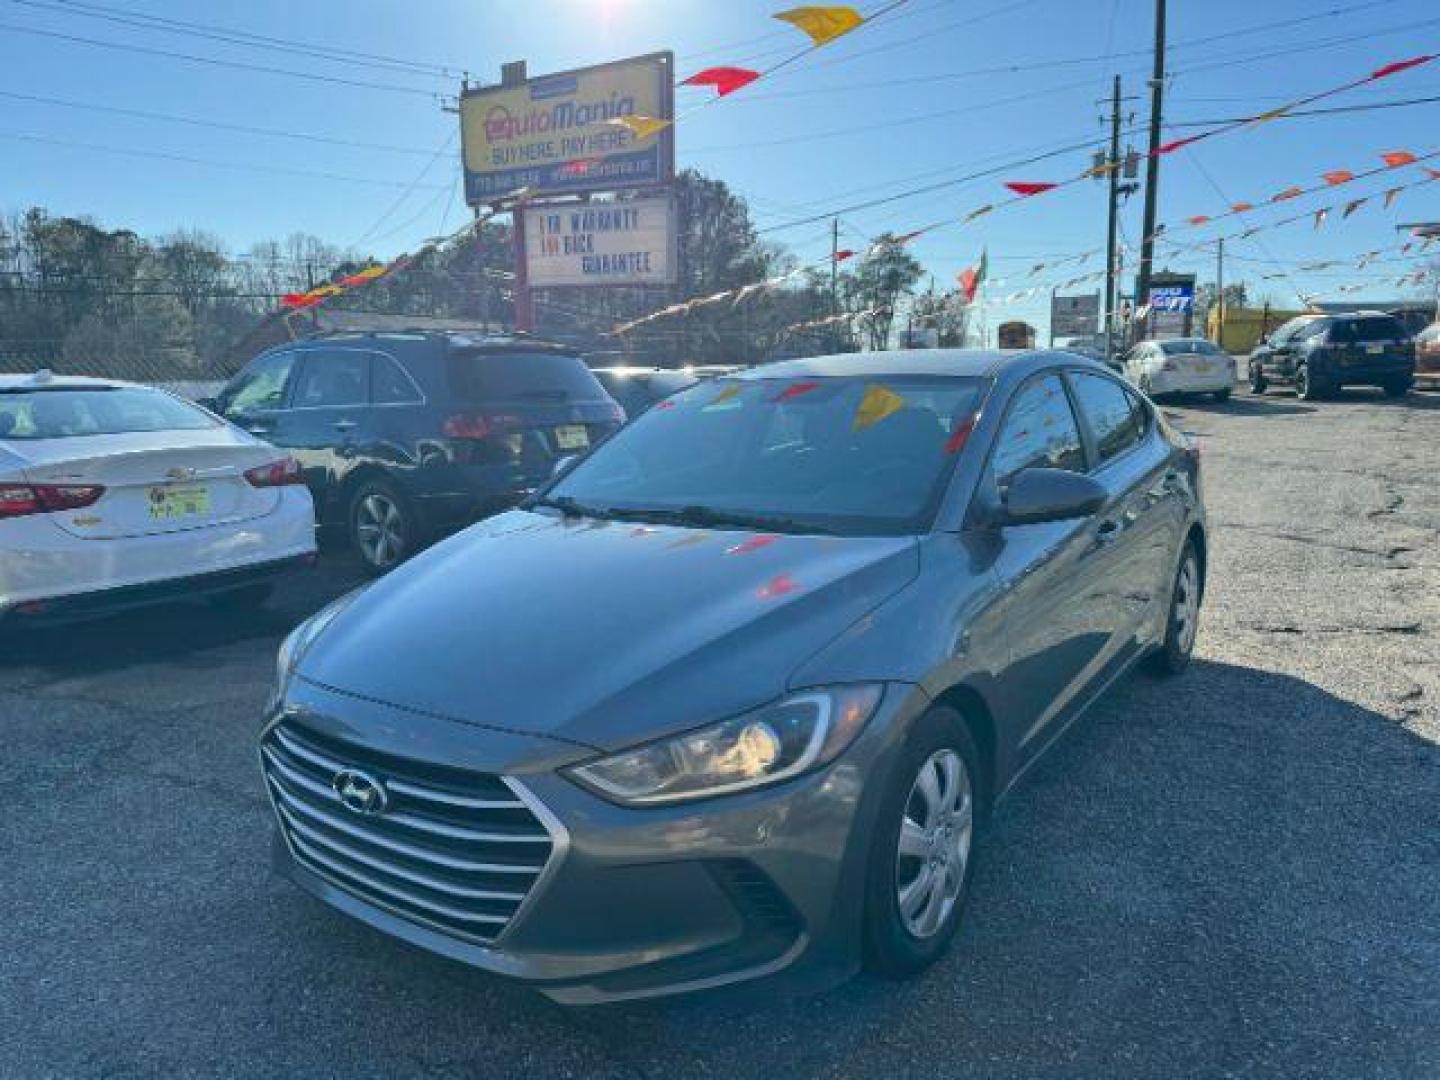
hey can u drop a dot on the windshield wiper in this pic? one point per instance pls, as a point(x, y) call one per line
point(568, 507)
point(705, 517)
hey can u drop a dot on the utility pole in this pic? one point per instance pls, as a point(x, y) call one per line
point(1152, 162)
point(1114, 166)
point(1220, 292)
point(835, 282)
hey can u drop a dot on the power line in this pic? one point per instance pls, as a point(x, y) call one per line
point(309, 174)
point(410, 189)
point(1329, 111)
point(239, 65)
point(239, 37)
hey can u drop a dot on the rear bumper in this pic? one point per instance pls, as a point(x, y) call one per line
point(43, 563)
point(1184, 382)
point(75, 606)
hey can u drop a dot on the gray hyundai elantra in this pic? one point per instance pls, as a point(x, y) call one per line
point(734, 695)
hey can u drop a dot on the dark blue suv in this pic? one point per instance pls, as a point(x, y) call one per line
point(406, 436)
point(1320, 354)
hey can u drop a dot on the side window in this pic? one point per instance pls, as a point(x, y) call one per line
point(1039, 431)
point(332, 378)
point(389, 385)
point(1114, 415)
point(261, 385)
point(1341, 332)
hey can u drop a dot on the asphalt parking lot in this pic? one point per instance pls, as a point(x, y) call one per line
point(1236, 873)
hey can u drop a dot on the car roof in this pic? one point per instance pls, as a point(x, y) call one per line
point(44, 380)
point(957, 362)
point(455, 339)
point(627, 370)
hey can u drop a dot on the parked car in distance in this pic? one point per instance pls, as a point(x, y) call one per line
point(406, 436)
point(749, 678)
point(1427, 355)
point(114, 495)
point(639, 388)
point(1320, 354)
point(1180, 366)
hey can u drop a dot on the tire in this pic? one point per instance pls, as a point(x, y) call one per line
point(1397, 388)
point(1305, 387)
point(242, 600)
point(1222, 395)
point(1258, 382)
point(898, 945)
point(384, 529)
point(1183, 619)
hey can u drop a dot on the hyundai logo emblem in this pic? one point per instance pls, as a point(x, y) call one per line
point(360, 792)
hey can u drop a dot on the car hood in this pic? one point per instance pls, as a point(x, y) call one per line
point(598, 632)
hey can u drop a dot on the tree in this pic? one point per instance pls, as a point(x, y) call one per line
point(947, 312)
point(887, 273)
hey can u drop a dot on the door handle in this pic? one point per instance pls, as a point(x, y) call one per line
point(1108, 532)
point(345, 425)
point(258, 429)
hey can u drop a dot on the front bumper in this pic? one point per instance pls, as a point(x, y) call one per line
point(635, 903)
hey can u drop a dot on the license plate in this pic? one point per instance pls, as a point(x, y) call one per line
point(169, 503)
point(572, 437)
point(1375, 350)
point(1203, 368)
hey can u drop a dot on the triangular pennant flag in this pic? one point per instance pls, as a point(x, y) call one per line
point(1390, 197)
point(823, 24)
point(1198, 219)
point(905, 238)
point(726, 80)
point(1321, 215)
point(977, 213)
point(298, 300)
point(1241, 207)
point(972, 277)
point(1288, 193)
point(1338, 176)
point(876, 405)
point(1025, 188)
point(642, 127)
point(1400, 65)
point(1036, 269)
point(1171, 147)
point(1273, 114)
point(1433, 174)
point(1395, 158)
point(370, 273)
point(1352, 206)
point(843, 254)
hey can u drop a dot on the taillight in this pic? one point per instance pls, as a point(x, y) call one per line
point(19, 500)
point(479, 425)
point(282, 473)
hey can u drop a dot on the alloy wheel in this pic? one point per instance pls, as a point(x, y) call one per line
point(934, 846)
point(379, 530)
point(1186, 612)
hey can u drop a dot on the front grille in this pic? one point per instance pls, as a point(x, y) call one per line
point(453, 850)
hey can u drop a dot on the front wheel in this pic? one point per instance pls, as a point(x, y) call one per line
point(1305, 388)
point(1183, 621)
point(383, 529)
point(922, 852)
point(1397, 387)
point(1258, 382)
point(1222, 395)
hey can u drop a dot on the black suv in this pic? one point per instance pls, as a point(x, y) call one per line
point(1319, 354)
point(405, 436)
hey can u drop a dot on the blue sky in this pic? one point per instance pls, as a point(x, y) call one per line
point(930, 92)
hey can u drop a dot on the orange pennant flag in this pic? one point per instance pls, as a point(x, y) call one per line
point(1288, 193)
point(1199, 219)
point(822, 24)
point(1338, 176)
point(1395, 158)
point(642, 127)
point(1241, 207)
point(370, 273)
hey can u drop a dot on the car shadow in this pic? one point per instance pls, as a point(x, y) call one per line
point(1232, 868)
point(1242, 404)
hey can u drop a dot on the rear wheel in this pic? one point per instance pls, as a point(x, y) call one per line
point(1183, 621)
point(1258, 382)
point(1306, 388)
point(922, 851)
point(1222, 395)
point(383, 527)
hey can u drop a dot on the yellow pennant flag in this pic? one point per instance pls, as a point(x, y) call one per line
point(823, 24)
point(976, 213)
point(876, 405)
point(728, 394)
point(642, 127)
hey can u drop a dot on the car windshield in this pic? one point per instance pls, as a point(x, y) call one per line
point(1291, 328)
point(1189, 346)
point(848, 455)
point(64, 412)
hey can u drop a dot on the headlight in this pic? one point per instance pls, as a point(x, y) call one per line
point(773, 743)
point(299, 640)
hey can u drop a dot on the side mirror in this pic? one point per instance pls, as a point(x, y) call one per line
point(562, 464)
point(1039, 495)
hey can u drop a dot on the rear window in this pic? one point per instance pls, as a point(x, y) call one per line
point(476, 375)
point(1379, 330)
point(1189, 346)
point(66, 413)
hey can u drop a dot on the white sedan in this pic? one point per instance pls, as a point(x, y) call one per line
point(114, 495)
point(1180, 366)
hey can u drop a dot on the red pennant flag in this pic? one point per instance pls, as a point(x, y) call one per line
point(1434, 174)
point(1395, 158)
point(299, 300)
point(1171, 147)
point(1401, 65)
point(1288, 193)
point(843, 254)
point(907, 237)
point(1199, 219)
point(726, 80)
point(794, 390)
point(1026, 189)
point(1338, 176)
point(1241, 207)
